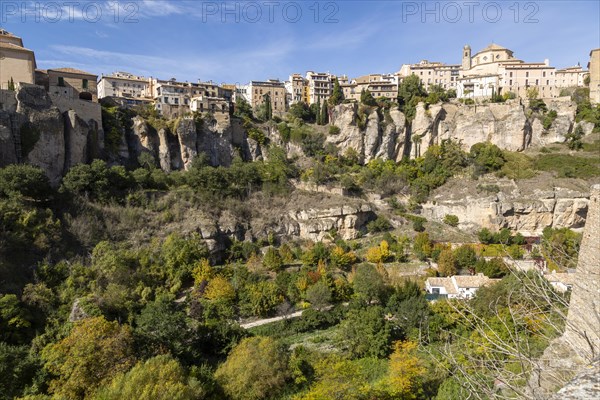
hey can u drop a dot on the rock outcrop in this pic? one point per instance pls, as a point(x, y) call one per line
point(580, 343)
point(510, 126)
point(527, 206)
point(317, 224)
point(36, 132)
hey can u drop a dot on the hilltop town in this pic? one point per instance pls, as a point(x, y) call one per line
point(492, 71)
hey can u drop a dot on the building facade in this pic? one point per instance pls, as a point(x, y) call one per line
point(126, 89)
point(71, 83)
point(432, 73)
point(594, 67)
point(256, 91)
point(295, 88)
point(320, 86)
point(457, 286)
point(17, 63)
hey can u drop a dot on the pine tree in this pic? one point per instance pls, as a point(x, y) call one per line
point(268, 107)
point(11, 85)
point(319, 119)
point(338, 95)
point(324, 114)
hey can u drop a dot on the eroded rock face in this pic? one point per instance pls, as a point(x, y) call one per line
point(317, 224)
point(514, 207)
point(579, 346)
point(77, 137)
point(143, 140)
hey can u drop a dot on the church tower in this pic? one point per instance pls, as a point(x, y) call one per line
point(466, 58)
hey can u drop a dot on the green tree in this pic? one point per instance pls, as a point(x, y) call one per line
point(159, 378)
point(18, 367)
point(337, 95)
point(272, 260)
point(319, 295)
point(368, 283)
point(367, 98)
point(11, 85)
point(161, 325)
point(410, 92)
point(242, 108)
point(486, 157)
point(366, 332)
point(261, 298)
point(465, 257)
point(324, 114)
point(90, 356)
point(24, 181)
point(447, 263)
point(422, 246)
point(255, 369)
point(302, 111)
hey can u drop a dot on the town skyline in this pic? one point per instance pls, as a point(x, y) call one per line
point(380, 40)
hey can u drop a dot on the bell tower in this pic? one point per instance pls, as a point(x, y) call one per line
point(466, 58)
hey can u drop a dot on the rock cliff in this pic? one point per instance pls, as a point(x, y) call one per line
point(34, 130)
point(526, 206)
point(580, 343)
point(510, 126)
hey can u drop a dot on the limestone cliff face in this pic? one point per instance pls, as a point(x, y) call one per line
point(510, 126)
point(382, 136)
point(526, 206)
point(580, 343)
point(35, 131)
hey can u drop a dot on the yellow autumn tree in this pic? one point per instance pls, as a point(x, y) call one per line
point(405, 372)
point(219, 289)
point(379, 254)
point(203, 272)
point(90, 356)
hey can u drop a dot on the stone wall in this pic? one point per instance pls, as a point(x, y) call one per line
point(86, 110)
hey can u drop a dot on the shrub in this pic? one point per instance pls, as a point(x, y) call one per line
point(381, 224)
point(451, 220)
point(334, 130)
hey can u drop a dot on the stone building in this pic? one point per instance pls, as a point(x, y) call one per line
point(71, 83)
point(209, 104)
point(432, 73)
point(17, 63)
point(172, 99)
point(125, 88)
point(594, 68)
point(320, 86)
point(295, 89)
point(256, 91)
point(571, 77)
point(511, 74)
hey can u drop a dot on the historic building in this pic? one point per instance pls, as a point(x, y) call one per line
point(71, 83)
point(17, 63)
point(594, 67)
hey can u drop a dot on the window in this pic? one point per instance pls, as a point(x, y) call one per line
point(61, 81)
point(511, 74)
point(166, 100)
point(84, 83)
point(526, 74)
point(544, 74)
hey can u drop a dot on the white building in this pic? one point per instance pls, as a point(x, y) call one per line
point(125, 88)
point(457, 286)
point(561, 281)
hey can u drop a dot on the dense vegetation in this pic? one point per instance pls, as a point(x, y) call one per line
point(107, 293)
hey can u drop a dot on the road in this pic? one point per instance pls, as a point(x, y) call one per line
point(270, 320)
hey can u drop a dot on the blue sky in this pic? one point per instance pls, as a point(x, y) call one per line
point(189, 40)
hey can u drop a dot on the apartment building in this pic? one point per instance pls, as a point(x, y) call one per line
point(210, 104)
point(571, 77)
point(173, 99)
point(295, 88)
point(17, 63)
point(255, 93)
point(125, 88)
point(432, 73)
point(320, 86)
point(594, 68)
point(71, 83)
